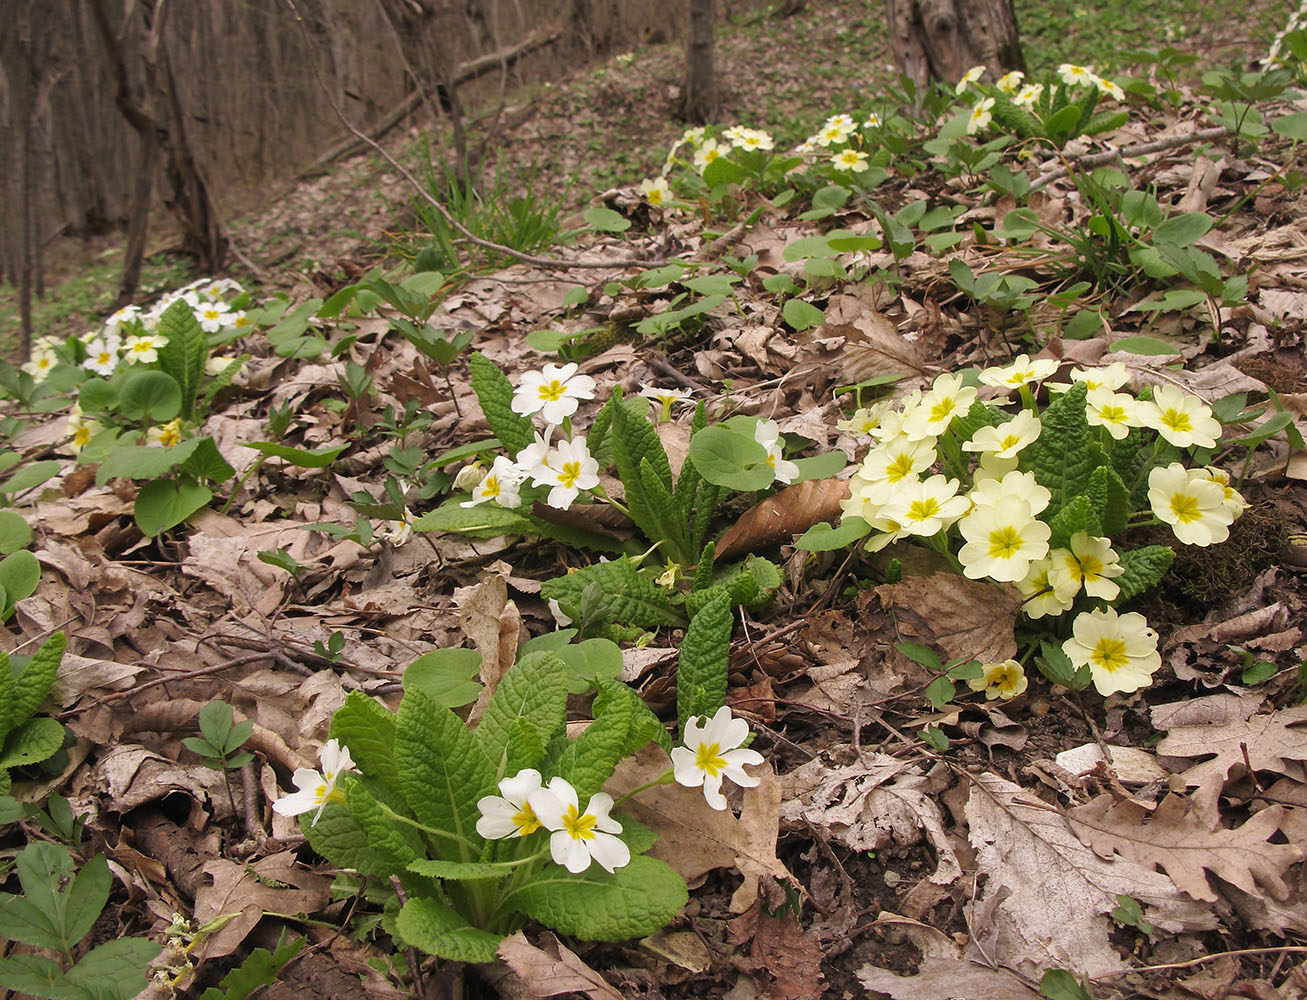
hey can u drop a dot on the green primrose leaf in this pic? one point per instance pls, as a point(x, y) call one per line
point(184, 355)
point(439, 930)
point(368, 729)
point(1061, 458)
point(702, 666)
point(486, 520)
point(605, 220)
point(32, 742)
point(14, 532)
point(164, 504)
point(644, 726)
point(340, 838)
point(20, 573)
point(318, 458)
point(1144, 569)
point(631, 902)
point(495, 394)
point(134, 461)
point(629, 596)
point(446, 676)
point(825, 538)
point(1054, 664)
point(918, 653)
point(940, 691)
point(115, 970)
point(728, 457)
point(29, 476)
point(590, 662)
point(535, 689)
point(590, 760)
point(206, 462)
point(149, 395)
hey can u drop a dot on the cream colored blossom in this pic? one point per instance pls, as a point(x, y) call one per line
point(1120, 650)
point(1005, 679)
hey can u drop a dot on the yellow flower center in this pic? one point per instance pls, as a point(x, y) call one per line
point(899, 469)
point(1005, 680)
point(1021, 377)
point(1185, 508)
point(944, 408)
point(1113, 414)
point(923, 510)
point(1091, 567)
point(1110, 654)
point(526, 820)
point(490, 488)
point(569, 474)
point(578, 826)
point(551, 391)
point(1005, 542)
point(1009, 440)
point(1177, 420)
point(82, 436)
point(708, 759)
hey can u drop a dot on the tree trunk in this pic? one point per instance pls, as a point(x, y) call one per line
point(699, 100)
point(942, 39)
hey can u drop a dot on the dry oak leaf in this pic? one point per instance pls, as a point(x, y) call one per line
point(1185, 838)
point(1269, 741)
point(277, 884)
point(1055, 890)
point(868, 805)
point(552, 969)
point(968, 619)
point(779, 518)
point(873, 344)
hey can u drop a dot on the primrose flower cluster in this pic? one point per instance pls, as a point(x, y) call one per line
point(1003, 526)
point(1029, 97)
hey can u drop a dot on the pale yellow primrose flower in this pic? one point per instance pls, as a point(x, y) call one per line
point(926, 507)
point(898, 460)
point(850, 159)
point(1120, 650)
point(579, 836)
point(656, 191)
point(1022, 371)
point(1182, 419)
point(42, 363)
point(1022, 485)
point(980, 116)
point(82, 430)
point(1117, 411)
point(554, 393)
point(708, 151)
point(500, 484)
point(1112, 376)
point(968, 78)
point(1075, 76)
point(768, 434)
point(873, 121)
point(102, 355)
point(1108, 87)
point(1005, 679)
point(1029, 95)
point(752, 138)
point(1194, 506)
point(1010, 83)
point(1008, 438)
point(947, 398)
point(666, 398)
point(866, 419)
point(1234, 501)
point(168, 434)
point(1040, 599)
point(314, 790)
point(1091, 563)
point(144, 348)
point(1002, 541)
point(712, 751)
point(509, 814)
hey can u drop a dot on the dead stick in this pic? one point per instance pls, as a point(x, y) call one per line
point(1141, 149)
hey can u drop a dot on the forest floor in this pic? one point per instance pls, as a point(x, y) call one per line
point(869, 861)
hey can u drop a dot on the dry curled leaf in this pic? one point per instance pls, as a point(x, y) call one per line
point(873, 344)
point(1184, 837)
point(793, 510)
point(553, 968)
point(1266, 742)
point(968, 619)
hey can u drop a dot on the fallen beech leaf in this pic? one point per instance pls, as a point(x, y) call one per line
point(793, 510)
point(552, 969)
point(492, 622)
point(873, 344)
point(1047, 892)
point(1269, 741)
point(968, 619)
point(946, 977)
point(277, 883)
point(1185, 838)
point(782, 950)
point(694, 839)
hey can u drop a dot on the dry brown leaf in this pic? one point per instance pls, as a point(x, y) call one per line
point(493, 624)
point(947, 978)
point(869, 805)
point(782, 950)
point(1269, 741)
point(873, 344)
point(968, 619)
point(695, 840)
point(1047, 892)
point(779, 518)
point(1185, 838)
point(552, 969)
point(277, 883)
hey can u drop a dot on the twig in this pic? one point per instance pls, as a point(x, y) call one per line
point(414, 969)
point(253, 821)
point(1287, 949)
point(1140, 149)
point(238, 661)
point(427, 196)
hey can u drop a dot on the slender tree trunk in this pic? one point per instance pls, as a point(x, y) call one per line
point(942, 39)
point(699, 100)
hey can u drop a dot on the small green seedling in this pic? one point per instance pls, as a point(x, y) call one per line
point(219, 742)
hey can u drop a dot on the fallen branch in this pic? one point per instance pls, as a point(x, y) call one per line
point(425, 195)
point(1140, 149)
point(463, 72)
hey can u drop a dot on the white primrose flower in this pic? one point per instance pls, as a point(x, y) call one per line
point(981, 116)
point(1021, 371)
point(1091, 563)
point(1010, 83)
point(314, 790)
point(509, 814)
point(752, 138)
point(1005, 679)
point(1002, 541)
point(1192, 504)
point(835, 132)
point(399, 532)
point(850, 159)
point(102, 355)
point(1120, 650)
point(569, 469)
point(873, 121)
point(81, 430)
point(1116, 411)
point(1029, 95)
point(124, 317)
point(1075, 76)
point(1182, 419)
point(212, 316)
point(656, 191)
point(1039, 597)
point(968, 78)
point(708, 151)
point(1008, 438)
point(555, 392)
point(42, 363)
point(1013, 484)
point(666, 398)
point(500, 484)
point(768, 434)
point(712, 751)
point(947, 398)
point(144, 348)
point(926, 507)
point(579, 836)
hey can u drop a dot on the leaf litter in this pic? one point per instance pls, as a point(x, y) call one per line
point(914, 874)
